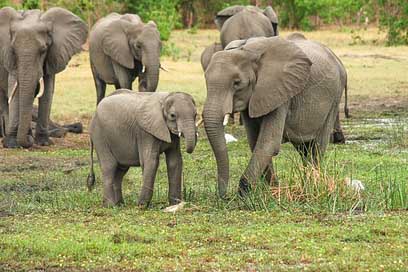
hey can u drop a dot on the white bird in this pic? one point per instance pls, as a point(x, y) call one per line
point(355, 184)
point(175, 208)
point(229, 138)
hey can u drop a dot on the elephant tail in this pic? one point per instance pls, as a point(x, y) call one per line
point(346, 109)
point(90, 182)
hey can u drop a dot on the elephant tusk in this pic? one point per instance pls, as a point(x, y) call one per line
point(197, 134)
point(13, 92)
point(163, 68)
point(226, 118)
point(199, 122)
point(41, 93)
point(179, 134)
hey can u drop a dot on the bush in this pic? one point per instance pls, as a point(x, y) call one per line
point(394, 19)
point(162, 12)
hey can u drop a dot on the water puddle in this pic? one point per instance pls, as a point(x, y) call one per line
point(371, 133)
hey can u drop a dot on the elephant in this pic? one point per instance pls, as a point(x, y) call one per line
point(285, 90)
point(34, 47)
point(121, 48)
point(148, 124)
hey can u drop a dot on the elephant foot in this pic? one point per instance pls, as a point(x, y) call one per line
point(10, 142)
point(143, 204)
point(244, 187)
point(43, 140)
point(338, 137)
point(110, 203)
point(74, 128)
point(57, 132)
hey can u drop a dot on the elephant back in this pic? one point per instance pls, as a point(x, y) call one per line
point(244, 25)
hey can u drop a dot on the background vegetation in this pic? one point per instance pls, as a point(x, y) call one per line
point(390, 15)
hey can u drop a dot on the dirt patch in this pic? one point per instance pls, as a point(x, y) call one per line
point(362, 104)
point(373, 56)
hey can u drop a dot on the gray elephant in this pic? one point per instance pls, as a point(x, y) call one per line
point(34, 47)
point(121, 48)
point(148, 124)
point(286, 91)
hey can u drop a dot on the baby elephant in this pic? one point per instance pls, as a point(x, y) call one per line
point(133, 129)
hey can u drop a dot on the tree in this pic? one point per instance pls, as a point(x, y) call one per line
point(394, 19)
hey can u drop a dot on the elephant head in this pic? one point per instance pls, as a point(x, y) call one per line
point(227, 13)
point(173, 113)
point(257, 76)
point(34, 44)
point(128, 39)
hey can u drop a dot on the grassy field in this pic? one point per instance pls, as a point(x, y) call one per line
point(312, 221)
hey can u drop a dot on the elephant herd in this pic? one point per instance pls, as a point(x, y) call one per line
point(285, 89)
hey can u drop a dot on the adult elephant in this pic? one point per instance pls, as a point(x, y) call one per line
point(34, 47)
point(286, 91)
point(121, 48)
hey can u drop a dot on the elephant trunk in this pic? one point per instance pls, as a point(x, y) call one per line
point(213, 123)
point(27, 84)
point(152, 69)
point(190, 135)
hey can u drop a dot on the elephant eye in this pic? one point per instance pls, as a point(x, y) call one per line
point(172, 116)
point(236, 83)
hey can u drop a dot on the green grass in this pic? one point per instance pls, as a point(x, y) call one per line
point(310, 220)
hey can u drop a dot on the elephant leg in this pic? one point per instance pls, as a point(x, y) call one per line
point(312, 152)
point(252, 127)
point(150, 162)
point(100, 86)
point(308, 152)
point(10, 141)
point(267, 146)
point(337, 135)
point(123, 76)
point(44, 110)
point(120, 172)
point(3, 113)
point(174, 163)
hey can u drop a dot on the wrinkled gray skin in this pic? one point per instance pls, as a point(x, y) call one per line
point(33, 45)
point(337, 136)
point(120, 47)
point(147, 125)
point(244, 22)
point(286, 91)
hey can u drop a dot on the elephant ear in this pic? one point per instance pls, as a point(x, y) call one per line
point(271, 14)
point(7, 15)
point(225, 14)
point(115, 43)
point(150, 115)
point(69, 33)
point(283, 71)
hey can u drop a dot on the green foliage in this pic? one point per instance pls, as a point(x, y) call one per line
point(162, 12)
point(394, 19)
point(31, 4)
